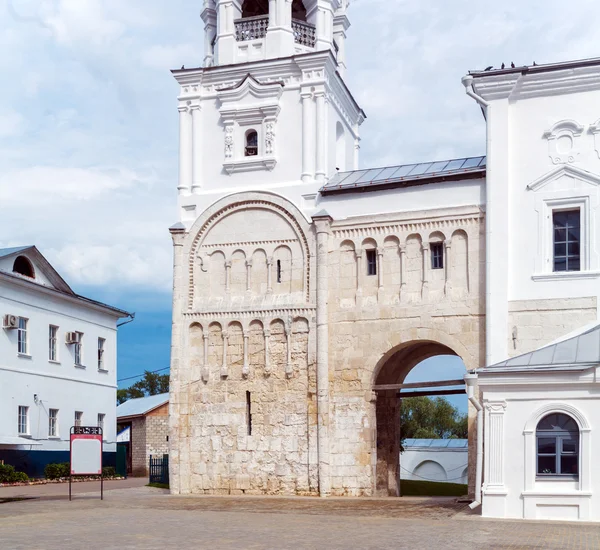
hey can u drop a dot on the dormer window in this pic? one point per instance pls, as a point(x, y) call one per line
point(251, 143)
point(24, 267)
point(255, 8)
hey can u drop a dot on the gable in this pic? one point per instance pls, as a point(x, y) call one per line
point(563, 178)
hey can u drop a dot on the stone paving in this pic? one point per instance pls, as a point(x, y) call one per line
point(151, 519)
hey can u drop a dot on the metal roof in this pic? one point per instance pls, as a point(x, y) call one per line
point(436, 443)
point(580, 349)
point(406, 175)
point(142, 405)
point(8, 251)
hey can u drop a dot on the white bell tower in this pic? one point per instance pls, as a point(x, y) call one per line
point(269, 109)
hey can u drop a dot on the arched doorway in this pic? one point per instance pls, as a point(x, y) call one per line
point(391, 372)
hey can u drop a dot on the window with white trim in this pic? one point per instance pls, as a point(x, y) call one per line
point(78, 418)
point(566, 225)
point(101, 417)
point(557, 437)
point(371, 262)
point(78, 350)
point(52, 422)
point(22, 342)
point(23, 420)
point(437, 255)
point(251, 149)
point(101, 344)
point(53, 343)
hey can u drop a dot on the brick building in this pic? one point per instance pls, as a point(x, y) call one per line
point(148, 421)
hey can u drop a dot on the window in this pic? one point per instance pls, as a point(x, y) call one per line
point(279, 271)
point(78, 418)
point(437, 255)
point(22, 336)
point(52, 343)
point(101, 342)
point(567, 240)
point(557, 446)
point(254, 8)
point(23, 266)
point(53, 423)
point(371, 262)
point(251, 143)
point(78, 350)
point(298, 10)
point(23, 420)
point(101, 421)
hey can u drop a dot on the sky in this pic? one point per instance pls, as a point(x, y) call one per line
point(88, 122)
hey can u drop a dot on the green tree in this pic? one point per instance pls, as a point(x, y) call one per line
point(151, 384)
point(425, 418)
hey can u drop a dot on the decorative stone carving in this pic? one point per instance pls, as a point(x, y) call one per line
point(269, 138)
point(229, 142)
point(563, 141)
point(595, 130)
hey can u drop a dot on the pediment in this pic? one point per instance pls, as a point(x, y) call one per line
point(565, 177)
point(43, 272)
point(250, 91)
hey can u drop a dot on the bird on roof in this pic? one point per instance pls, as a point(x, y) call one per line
point(512, 65)
point(489, 68)
point(534, 64)
point(182, 67)
point(502, 66)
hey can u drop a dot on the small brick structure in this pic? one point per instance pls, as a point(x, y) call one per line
point(148, 419)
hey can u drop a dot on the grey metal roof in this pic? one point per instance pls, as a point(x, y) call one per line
point(8, 251)
point(406, 175)
point(580, 349)
point(436, 443)
point(142, 405)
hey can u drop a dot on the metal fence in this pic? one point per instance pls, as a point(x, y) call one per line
point(159, 469)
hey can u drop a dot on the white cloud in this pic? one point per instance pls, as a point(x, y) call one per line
point(11, 124)
point(171, 57)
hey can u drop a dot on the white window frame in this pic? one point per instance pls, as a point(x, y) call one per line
point(100, 422)
point(53, 344)
point(20, 417)
point(101, 353)
point(78, 351)
point(78, 418)
point(23, 337)
point(53, 431)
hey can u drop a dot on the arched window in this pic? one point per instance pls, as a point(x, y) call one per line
point(23, 266)
point(254, 8)
point(251, 143)
point(298, 10)
point(557, 446)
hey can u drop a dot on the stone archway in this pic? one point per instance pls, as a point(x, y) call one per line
point(393, 369)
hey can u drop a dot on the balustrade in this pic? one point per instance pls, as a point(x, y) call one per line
point(251, 28)
point(304, 33)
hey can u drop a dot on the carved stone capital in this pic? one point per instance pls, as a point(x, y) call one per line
point(448, 243)
point(497, 407)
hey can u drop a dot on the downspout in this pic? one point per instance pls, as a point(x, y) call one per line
point(471, 381)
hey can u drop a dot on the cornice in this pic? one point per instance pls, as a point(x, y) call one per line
point(256, 313)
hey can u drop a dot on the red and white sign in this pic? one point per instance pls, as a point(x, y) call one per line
point(86, 454)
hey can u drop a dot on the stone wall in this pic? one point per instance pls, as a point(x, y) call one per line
point(139, 462)
point(157, 432)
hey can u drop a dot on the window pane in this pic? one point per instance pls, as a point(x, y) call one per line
point(573, 248)
point(546, 464)
point(560, 234)
point(574, 264)
point(547, 445)
point(569, 464)
point(560, 249)
point(560, 264)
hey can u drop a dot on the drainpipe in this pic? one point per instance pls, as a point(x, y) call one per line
point(471, 381)
point(468, 84)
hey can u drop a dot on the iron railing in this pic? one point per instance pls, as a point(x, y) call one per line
point(159, 469)
point(304, 33)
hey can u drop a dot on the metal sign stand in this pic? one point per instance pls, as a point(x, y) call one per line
point(87, 464)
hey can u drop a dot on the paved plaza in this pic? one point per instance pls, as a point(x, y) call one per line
point(146, 518)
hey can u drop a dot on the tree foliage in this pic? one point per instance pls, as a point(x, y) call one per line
point(425, 418)
point(151, 384)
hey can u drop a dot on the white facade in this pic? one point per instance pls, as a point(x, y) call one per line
point(42, 375)
point(439, 460)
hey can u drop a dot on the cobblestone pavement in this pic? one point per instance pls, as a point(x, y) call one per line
point(151, 519)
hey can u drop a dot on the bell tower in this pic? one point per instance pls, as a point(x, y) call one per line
point(269, 109)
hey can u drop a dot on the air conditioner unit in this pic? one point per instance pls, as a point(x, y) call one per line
point(73, 337)
point(10, 322)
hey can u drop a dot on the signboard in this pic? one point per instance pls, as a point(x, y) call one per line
point(124, 436)
point(86, 454)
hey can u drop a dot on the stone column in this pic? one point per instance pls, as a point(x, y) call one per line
point(205, 367)
point(387, 481)
point(447, 248)
point(323, 227)
point(273, 13)
point(228, 276)
point(246, 367)
point(248, 276)
point(224, 369)
point(380, 268)
point(402, 271)
point(359, 274)
point(494, 447)
point(289, 370)
point(426, 261)
point(267, 334)
point(308, 137)
point(196, 149)
point(321, 170)
point(269, 275)
point(185, 151)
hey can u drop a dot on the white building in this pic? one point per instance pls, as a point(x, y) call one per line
point(441, 460)
point(306, 289)
point(58, 363)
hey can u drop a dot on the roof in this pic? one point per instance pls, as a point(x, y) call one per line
point(436, 443)
point(142, 405)
point(406, 175)
point(579, 350)
point(543, 68)
point(8, 251)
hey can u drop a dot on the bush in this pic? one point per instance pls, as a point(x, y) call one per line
point(56, 471)
point(109, 471)
point(9, 475)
